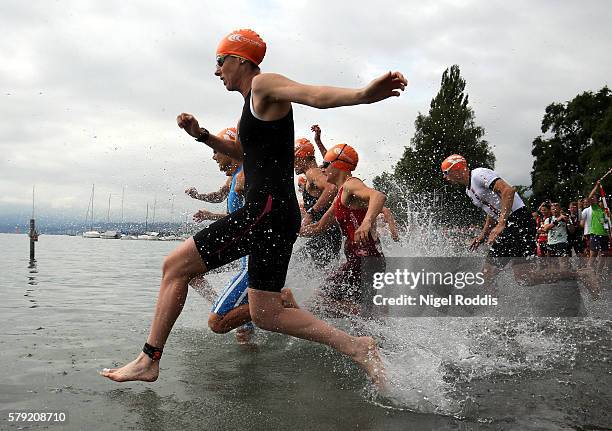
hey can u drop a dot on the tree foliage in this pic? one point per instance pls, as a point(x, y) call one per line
point(577, 150)
point(448, 128)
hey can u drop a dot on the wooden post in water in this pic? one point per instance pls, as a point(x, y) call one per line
point(33, 234)
point(33, 237)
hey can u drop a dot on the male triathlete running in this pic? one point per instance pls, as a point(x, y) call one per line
point(509, 228)
point(266, 227)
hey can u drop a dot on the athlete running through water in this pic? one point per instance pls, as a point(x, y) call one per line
point(317, 195)
point(267, 226)
point(355, 209)
point(230, 308)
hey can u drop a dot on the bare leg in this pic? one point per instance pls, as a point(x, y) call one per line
point(240, 315)
point(268, 313)
point(234, 318)
point(243, 335)
point(288, 298)
point(179, 267)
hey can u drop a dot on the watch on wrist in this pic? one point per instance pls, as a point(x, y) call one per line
point(204, 135)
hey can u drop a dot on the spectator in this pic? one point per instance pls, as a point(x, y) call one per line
point(574, 230)
point(542, 237)
point(556, 228)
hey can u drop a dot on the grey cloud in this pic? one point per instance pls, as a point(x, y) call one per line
point(113, 76)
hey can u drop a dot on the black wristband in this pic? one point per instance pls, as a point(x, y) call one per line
point(204, 136)
point(154, 353)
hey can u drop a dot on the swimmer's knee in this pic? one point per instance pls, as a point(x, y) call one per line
point(215, 323)
point(173, 267)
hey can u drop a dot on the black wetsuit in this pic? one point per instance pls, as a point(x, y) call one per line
point(266, 227)
point(326, 246)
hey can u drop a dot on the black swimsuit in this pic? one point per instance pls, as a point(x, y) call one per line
point(326, 246)
point(266, 227)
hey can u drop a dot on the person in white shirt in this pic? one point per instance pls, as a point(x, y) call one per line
point(509, 229)
point(556, 226)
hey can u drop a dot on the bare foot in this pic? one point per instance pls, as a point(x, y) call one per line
point(366, 356)
point(141, 369)
point(288, 299)
point(243, 335)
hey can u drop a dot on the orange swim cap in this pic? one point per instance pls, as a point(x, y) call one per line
point(342, 156)
point(243, 43)
point(228, 134)
point(453, 162)
point(303, 148)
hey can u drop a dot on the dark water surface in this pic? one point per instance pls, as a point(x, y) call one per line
point(86, 304)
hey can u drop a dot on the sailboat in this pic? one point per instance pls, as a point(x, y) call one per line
point(91, 233)
point(149, 236)
point(110, 234)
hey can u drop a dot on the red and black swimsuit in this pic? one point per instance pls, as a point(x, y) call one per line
point(346, 280)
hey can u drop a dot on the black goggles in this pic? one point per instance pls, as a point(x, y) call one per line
point(326, 164)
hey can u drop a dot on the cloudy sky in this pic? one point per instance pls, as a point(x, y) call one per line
point(90, 89)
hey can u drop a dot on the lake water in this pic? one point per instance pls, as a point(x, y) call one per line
point(86, 304)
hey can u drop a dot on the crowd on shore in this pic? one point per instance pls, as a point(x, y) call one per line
point(581, 229)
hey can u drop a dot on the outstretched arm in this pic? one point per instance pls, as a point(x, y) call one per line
point(203, 214)
point(189, 123)
point(321, 226)
point(214, 197)
point(595, 189)
point(271, 88)
point(317, 137)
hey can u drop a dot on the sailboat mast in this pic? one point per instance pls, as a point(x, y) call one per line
point(108, 212)
point(122, 197)
point(172, 209)
point(93, 188)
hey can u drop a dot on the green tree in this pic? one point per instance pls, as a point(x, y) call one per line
point(577, 150)
point(449, 128)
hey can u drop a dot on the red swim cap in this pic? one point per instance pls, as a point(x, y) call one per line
point(228, 134)
point(453, 162)
point(303, 148)
point(243, 43)
point(343, 157)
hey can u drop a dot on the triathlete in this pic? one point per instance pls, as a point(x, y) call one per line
point(231, 304)
point(266, 227)
point(355, 209)
point(318, 195)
